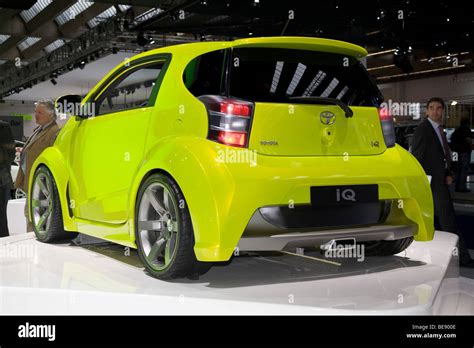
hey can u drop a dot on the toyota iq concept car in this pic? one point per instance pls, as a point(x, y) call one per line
point(189, 152)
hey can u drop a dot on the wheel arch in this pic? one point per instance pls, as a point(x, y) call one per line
point(190, 162)
point(53, 159)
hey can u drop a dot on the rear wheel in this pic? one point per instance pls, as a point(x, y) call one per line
point(45, 208)
point(386, 247)
point(164, 232)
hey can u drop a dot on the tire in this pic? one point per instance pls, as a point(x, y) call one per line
point(45, 204)
point(164, 231)
point(386, 247)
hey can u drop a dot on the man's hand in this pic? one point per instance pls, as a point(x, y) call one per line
point(449, 180)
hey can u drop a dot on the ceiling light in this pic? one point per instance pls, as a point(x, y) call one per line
point(421, 72)
point(379, 53)
point(381, 67)
point(454, 102)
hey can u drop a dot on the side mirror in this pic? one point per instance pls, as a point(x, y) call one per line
point(70, 105)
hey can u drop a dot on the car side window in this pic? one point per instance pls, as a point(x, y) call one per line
point(204, 74)
point(130, 90)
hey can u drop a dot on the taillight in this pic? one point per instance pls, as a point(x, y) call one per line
point(229, 119)
point(388, 129)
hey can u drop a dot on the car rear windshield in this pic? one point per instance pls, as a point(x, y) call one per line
point(276, 75)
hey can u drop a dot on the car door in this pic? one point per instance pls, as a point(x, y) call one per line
point(107, 148)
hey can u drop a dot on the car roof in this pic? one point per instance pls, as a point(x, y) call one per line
point(291, 42)
point(187, 51)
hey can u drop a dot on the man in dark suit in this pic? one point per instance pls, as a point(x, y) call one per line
point(7, 155)
point(431, 149)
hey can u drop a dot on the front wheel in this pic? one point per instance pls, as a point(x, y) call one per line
point(164, 232)
point(45, 208)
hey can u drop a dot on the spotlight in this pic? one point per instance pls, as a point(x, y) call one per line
point(454, 102)
point(142, 40)
point(82, 64)
point(70, 67)
point(401, 59)
point(54, 82)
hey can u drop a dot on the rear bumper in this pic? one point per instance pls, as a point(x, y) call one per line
point(307, 217)
point(318, 238)
point(223, 196)
point(277, 228)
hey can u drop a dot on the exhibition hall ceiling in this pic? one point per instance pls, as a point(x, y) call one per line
point(405, 39)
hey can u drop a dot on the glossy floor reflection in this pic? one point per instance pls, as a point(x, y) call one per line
point(37, 278)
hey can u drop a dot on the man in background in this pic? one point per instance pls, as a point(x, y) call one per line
point(43, 136)
point(430, 147)
point(7, 155)
point(461, 142)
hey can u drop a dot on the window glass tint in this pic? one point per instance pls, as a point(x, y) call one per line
point(203, 75)
point(131, 90)
point(275, 75)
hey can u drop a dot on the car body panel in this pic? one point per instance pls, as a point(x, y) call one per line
point(298, 128)
point(94, 148)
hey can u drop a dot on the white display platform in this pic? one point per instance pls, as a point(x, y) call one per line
point(16, 216)
point(38, 278)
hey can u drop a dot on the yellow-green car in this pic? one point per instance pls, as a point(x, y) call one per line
point(190, 152)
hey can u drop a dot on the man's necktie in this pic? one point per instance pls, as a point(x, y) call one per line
point(447, 151)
